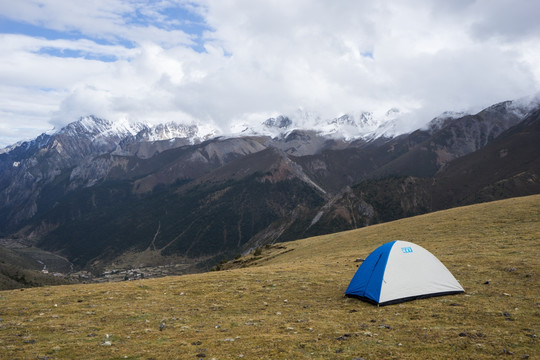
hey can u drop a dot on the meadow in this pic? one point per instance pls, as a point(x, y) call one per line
point(286, 301)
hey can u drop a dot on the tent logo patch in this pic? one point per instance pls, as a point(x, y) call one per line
point(406, 250)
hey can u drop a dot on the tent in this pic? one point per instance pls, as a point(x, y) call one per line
point(400, 271)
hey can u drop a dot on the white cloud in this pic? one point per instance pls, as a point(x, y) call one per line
point(112, 20)
point(263, 57)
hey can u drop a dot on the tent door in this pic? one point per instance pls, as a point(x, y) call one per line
point(371, 274)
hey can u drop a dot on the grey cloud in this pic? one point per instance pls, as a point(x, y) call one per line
point(508, 20)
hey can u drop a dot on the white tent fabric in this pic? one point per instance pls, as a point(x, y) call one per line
point(413, 271)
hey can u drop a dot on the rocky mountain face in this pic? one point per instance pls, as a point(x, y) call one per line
point(507, 166)
point(106, 194)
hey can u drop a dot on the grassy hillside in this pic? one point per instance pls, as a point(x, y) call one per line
point(287, 302)
point(19, 268)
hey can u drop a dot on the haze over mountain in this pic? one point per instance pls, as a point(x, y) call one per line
point(106, 195)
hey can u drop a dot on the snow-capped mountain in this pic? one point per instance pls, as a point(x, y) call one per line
point(167, 131)
point(367, 125)
point(348, 127)
point(439, 121)
point(200, 192)
point(172, 130)
point(98, 129)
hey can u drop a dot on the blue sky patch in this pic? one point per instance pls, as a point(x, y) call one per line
point(183, 17)
point(8, 26)
point(71, 53)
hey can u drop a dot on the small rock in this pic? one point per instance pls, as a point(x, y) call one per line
point(359, 260)
point(526, 356)
point(196, 343)
point(201, 355)
point(228, 340)
point(106, 343)
point(487, 282)
point(507, 317)
point(162, 326)
point(353, 311)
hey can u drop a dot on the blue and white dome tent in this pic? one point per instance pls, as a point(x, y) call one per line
point(401, 271)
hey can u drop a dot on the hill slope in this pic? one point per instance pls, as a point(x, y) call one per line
point(289, 303)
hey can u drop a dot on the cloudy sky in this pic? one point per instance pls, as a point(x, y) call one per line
point(229, 60)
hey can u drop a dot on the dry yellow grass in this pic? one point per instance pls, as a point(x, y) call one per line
point(289, 304)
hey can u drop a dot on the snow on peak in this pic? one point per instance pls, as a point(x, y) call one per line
point(521, 107)
point(439, 121)
point(347, 126)
point(172, 130)
point(96, 128)
point(167, 131)
point(281, 122)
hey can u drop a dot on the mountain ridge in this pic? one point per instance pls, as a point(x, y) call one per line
point(97, 197)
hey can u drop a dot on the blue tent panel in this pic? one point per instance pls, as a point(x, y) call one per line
point(367, 281)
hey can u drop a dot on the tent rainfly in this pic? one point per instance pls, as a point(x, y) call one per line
point(400, 271)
